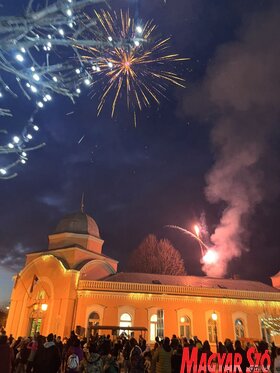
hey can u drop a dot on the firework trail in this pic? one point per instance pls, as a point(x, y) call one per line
point(209, 256)
point(185, 231)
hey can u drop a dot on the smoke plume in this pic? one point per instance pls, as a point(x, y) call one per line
point(241, 96)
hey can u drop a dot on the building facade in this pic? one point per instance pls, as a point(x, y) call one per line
point(73, 286)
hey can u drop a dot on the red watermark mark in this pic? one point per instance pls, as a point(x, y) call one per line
point(224, 363)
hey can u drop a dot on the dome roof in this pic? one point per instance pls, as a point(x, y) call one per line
point(78, 222)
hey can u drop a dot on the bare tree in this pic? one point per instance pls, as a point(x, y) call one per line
point(41, 49)
point(156, 256)
point(3, 317)
point(40, 56)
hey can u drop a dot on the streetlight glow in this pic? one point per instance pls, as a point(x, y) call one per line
point(214, 316)
point(44, 307)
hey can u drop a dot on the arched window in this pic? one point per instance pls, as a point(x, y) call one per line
point(93, 319)
point(266, 334)
point(41, 294)
point(239, 329)
point(212, 330)
point(153, 327)
point(185, 327)
point(125, 321)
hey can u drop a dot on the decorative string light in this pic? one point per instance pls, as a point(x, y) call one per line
point(41, 71)
point(19, 145)
point(40, 76)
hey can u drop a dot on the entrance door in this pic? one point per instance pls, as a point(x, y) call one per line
point(35, 326)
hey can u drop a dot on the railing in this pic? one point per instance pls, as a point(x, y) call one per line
point(127, 287)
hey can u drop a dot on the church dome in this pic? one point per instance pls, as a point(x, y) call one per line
point(78, 222)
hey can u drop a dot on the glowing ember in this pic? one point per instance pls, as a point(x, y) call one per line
point(197, 230)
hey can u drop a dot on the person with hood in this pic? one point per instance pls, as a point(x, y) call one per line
point(163, 357)
point(5, 355)
point(92, 362)
point(47, 359)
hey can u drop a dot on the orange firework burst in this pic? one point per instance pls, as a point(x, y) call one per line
point(135, 64)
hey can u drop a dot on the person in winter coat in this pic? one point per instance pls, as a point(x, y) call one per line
point(22, 356)
point(110, 364)
point(154, 362)
point(5, 355)
point(239, 350)
point(59, 345)
point(136, 358)
point(176, 359)
point(74, 356)
point(277, 361)
point(32, 346)
point(92, 362)
point(126, 353)
point(163, 357)
point(39, 354)
point(47, 359)
point(206, 349)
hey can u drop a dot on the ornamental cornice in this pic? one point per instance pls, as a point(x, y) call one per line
point(140, 297)
point(136, 288)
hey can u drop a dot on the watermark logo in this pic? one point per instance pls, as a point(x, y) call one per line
point(224, 363)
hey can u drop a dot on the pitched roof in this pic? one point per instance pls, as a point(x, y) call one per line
point(191, 281)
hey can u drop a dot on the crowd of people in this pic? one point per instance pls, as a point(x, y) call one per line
point(101, 354)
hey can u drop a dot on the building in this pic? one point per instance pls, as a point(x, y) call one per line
point(74, 285)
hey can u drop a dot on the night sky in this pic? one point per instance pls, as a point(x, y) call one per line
point(220, 133)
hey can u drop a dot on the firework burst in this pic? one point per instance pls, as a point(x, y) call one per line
point(136, 66)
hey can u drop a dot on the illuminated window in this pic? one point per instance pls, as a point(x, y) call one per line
point(160, 323)
point(212, 330)
point(153, 327)
point(266, 335)
point(93, 320)
point(35, 326)
point(239, 329)
point(125, 322)
point(185, 327)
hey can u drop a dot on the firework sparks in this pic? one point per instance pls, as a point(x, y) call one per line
point(209, 255)
point(138, 68)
